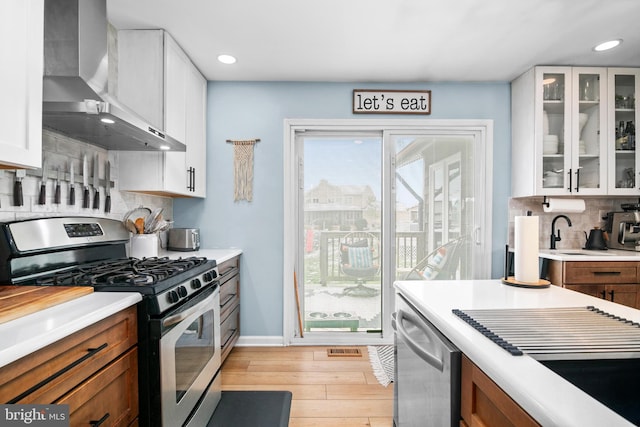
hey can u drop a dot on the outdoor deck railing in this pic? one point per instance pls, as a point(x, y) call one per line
point(410, 248)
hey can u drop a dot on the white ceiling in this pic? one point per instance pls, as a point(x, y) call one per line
point(388, 40)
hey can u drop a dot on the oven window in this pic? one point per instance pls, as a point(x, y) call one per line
point(194, 349)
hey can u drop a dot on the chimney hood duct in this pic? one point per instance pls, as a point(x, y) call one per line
point(76, 98)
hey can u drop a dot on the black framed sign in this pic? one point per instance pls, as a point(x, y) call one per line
point(373, 101)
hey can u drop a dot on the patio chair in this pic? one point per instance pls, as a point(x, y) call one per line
point(359, 259)
point(440, 264)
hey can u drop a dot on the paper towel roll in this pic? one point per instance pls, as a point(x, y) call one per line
point(526, 249)
point(564, 205)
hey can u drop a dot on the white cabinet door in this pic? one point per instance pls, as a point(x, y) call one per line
point(553, 130)
point(624, 158)
point(175, 89)
point(141, 73)
point(588, 131)
point(21, 44)
point(196, 133)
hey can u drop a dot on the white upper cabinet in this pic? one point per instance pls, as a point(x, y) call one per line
point(21, 44)
point(171, 94)
point(624, 158)
point(559, 128)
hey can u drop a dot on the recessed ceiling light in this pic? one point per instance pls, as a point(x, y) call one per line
point(607, 45)
point(226, 59)
point(106, 120)
point(164, 147)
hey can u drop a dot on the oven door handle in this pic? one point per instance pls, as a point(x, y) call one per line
point(177, 318)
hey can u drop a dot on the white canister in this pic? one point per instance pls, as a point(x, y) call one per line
point(144, 245)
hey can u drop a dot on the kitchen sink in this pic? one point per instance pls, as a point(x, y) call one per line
point(612, 382)
point(584, 252)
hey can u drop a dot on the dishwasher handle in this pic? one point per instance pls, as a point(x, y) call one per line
point(424, 354)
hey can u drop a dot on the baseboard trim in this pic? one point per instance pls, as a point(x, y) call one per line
point(260, 341)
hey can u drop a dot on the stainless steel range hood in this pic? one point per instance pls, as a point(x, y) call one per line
point(77, 100)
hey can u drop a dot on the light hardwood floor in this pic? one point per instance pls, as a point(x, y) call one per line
point(327, 391)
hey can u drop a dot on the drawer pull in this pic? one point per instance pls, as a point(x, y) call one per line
point(228, 300)
point(607, 273)
point(100, 421)
point(91, 352)
point(231, 271)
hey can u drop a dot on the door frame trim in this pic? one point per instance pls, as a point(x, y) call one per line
point(290, 211)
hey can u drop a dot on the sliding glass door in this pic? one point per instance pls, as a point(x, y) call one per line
point(374, 204)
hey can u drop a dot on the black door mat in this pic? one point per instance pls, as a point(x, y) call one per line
point(252, 409)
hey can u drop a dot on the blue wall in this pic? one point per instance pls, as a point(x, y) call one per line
point(243, 110)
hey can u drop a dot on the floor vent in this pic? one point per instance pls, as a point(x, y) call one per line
point(344, 352)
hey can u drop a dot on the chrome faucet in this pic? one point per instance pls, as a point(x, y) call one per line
point(556, 238)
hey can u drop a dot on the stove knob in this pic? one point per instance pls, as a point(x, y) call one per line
point(214, 274)
point(207, 277)
point(172, 297)
point(182, 291)
point(196, 283)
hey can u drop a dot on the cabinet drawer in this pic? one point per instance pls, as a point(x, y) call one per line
point(110, 396)
point(46, 375)
point(227, 268)
point(230, 330)
point(600, 272)
point(229, 295)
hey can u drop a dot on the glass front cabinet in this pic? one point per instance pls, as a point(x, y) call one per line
point(624, 159)
point(566, 137)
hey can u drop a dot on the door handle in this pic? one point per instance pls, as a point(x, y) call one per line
point(431, 359)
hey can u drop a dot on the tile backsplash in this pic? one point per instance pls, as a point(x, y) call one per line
point(59, 151)
point(572, 237)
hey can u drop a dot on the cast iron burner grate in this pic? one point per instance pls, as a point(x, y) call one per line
point(123, 272)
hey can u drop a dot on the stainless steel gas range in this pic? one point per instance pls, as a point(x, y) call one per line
point(178, 317)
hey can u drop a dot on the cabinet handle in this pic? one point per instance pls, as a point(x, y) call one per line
point(577, 180)
point(191, 186)
point(91, 352)
point(570, 180)
point(611, 293)
point(100, 421)
point(604, 294)
point(607, 273)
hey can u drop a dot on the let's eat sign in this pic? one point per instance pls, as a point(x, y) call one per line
point(369, 101)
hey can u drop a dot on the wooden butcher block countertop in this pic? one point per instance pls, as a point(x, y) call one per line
point(18, 301)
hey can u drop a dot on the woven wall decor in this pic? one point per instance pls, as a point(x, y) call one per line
point(243, 168)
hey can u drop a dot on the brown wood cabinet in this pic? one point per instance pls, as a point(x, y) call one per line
point(616, 281)
point(484, 404)
point(229, 304)
point(80, 370)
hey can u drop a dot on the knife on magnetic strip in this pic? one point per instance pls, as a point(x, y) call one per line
point(42, 196)
point(96, 183)
point(72, 184)
point(85, 182)
point(107, 186)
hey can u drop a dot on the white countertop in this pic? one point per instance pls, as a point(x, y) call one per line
point(547, 397)
point(589, 255)
point(220, 255)
point(30, 333)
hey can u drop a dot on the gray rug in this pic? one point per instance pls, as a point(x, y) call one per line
point(381, 357)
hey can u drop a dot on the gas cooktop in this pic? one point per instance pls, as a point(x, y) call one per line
point(146, 276)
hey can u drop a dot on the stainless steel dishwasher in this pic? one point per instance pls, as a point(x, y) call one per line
point(427, 372)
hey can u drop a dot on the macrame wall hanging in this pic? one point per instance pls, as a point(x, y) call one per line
point(243, 168)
